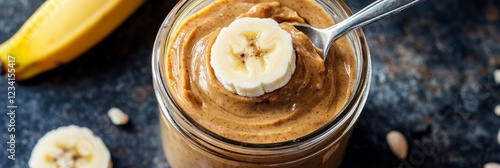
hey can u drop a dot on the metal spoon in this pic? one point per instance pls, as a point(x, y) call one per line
point(324, 38)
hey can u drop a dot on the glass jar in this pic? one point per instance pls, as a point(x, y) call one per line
point(187, 146)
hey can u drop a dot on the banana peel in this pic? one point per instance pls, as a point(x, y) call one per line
point(61, 30)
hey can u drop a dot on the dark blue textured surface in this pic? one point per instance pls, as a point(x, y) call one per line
point(432, 80)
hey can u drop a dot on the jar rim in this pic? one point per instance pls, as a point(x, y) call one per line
point(357, 98)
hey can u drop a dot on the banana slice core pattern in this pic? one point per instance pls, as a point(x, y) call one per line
point(70, 147)
point(253, 56)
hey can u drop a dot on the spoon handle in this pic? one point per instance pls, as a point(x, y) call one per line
point(375, 11)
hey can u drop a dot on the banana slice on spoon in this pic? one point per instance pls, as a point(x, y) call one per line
point(70, 147)
point(253, 56)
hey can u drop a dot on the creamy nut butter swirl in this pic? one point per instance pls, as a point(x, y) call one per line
point(316, 92)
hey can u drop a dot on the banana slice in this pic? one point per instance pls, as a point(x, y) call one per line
point(253, 56)
point(70, 147)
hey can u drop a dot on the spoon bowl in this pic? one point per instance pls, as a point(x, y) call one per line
point(324, 38)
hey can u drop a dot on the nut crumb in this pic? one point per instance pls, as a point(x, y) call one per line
point(497, 110)
point(498, 137)
point(496, 76)
point(491, 165)
point(398, 144)
point(117, 116)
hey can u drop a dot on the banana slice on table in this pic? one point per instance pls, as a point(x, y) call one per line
point(70, 147)
point(253, 56)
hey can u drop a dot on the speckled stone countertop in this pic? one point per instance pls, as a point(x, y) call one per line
point(432, 80)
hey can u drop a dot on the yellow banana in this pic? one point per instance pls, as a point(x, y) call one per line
point(61, 30)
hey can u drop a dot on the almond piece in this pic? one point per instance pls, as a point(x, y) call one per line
point(498, 137)
point(497, 110)
point(496, 76)
point(491, 165)
point(117, 116)
point(398, 144)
